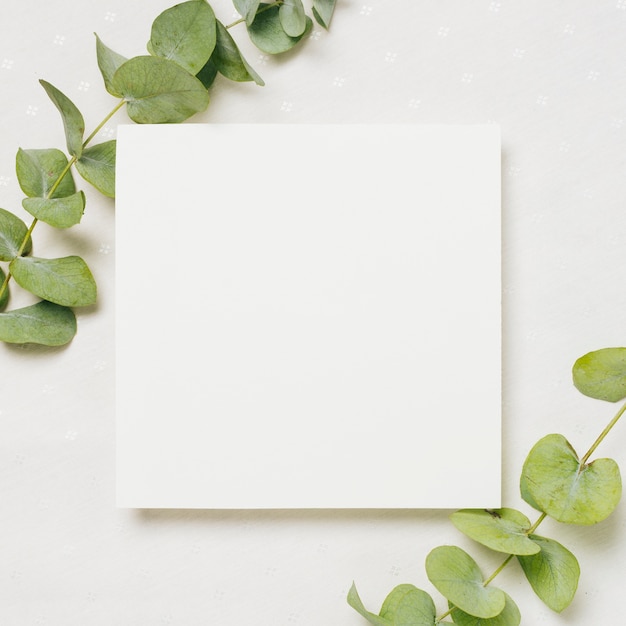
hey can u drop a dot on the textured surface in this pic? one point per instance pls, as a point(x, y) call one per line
point(553, 76)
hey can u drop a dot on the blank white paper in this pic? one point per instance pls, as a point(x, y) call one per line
point(308, 316)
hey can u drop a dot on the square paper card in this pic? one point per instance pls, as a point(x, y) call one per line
point(308, 316)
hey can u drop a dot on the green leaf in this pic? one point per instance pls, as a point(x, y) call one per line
point(267, 33)
point(602, 374)
point(292, 17)
point(510, 616)
point(457, 577)
point(553, 573)
point(229, 61)
point(97, 166)
point(208, 73)
point(73, 121)
point(58, 212)
point(554, 481)
point(503, 530)
point(4, 298)
point(108, 62)
point(12, 233)
point(65, 281)
point(323, 11)
point(44, 323)
point(406, 605)
point(247, 9)
point(159, 91)
point(185, 34)
point(38, 171)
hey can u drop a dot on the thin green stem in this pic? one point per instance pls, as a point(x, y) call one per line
point(603, 434)
point(241, 20)
point(498, 570)
point(57, 182)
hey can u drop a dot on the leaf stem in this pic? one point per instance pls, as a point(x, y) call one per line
point(261, 10)
point(55, 186)
point(603, 434)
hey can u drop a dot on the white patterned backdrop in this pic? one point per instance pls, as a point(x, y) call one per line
point(553, 75)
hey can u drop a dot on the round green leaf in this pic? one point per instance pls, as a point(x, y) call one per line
point(602, 374)
point(66, 281)
point(323, 11)
point(457, 577)
point(39, 170)
point(108, 62)
point(503, 530)
point(208, 73)
point(185, 34)
point(44, 323)
point(292, 17)
point(58, 212)
point(12, 233)
point(553, 573)
point(159, 91)
point(4, 297)
point(97, 166)
point(553, 481)
point(510, 616)
point(406, 605)
point(267, 33)
point(247, 9)
point(73, 121)
point(229, 61)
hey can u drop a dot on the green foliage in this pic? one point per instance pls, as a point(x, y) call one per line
point(556, 482)
point(188, 49)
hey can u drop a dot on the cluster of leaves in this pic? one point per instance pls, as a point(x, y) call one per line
point(555, 482)
point(188, 48)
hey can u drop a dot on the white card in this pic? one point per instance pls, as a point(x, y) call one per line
point(308, 316)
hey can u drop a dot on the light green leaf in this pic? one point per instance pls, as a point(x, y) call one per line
point(4, 297)
point(247, 9)
point(406, 605)
point(159, 91)
point(108, 62)
point(66, 281)
point(185, 34)
point(12, 233)
point(58, 212)
point(39, 170)
point(510, 616)
point(97, 166)
point(553, 481)
point(267, 33)
point(44, 323)
point(229, 61)
point(457, 577)
point(323, 11)
point(553, 573)
point(292, 17)
point(73, 121)
point(503, 530)
point(602, 374)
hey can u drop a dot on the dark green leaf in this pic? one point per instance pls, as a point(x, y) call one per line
point(4, 296)
point(602, 374)
point(108, 62)
point(503, 530)
point(208, 73)
point(159, 91)
point(553, 481)
point(553, 573)
point(65, 281)
point(247, 9)
point(73, 121)
point(457, 577)
point(12, 233)
point(185, 34)
point(39, 170)
point(292, 17)
point(229, 61)
point(58, 212)
point(267, 33)
point(43, 323)
point(323, 11)
point(510, 616)
point(97, 166)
